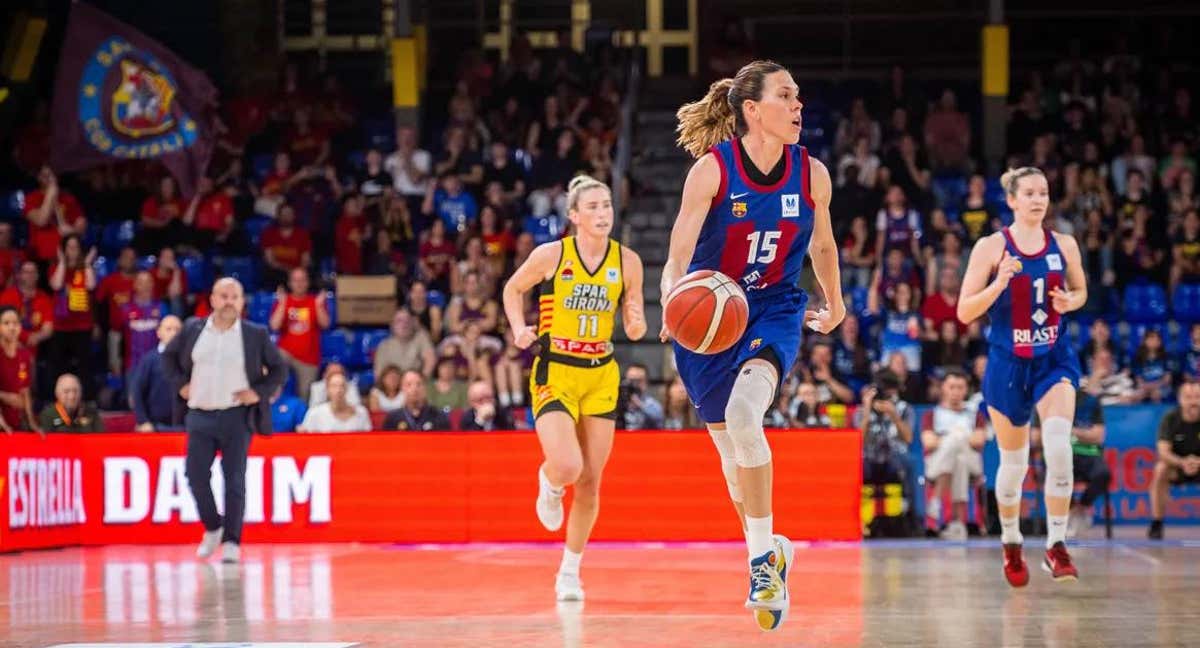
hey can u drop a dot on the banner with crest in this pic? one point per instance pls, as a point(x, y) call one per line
point(120, 95)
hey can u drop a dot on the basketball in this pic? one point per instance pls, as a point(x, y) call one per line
point(706, 312)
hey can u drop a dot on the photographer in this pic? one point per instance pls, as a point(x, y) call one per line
point(637, 409)
point(886, 431)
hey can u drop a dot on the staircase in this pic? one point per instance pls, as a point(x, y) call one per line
point(657, 171)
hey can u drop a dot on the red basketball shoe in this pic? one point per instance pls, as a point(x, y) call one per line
point(1015, 569)
point(1058, 563)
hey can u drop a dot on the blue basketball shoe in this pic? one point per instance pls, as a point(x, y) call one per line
point(769, 601)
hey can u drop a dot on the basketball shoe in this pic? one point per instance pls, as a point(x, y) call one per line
point(568, 587)
point(768, 619)
point(1058, 563)
point(768, 577)
point(1015, 569)
point(549, 503)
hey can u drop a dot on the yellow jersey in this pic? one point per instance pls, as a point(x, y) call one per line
point(577, 307)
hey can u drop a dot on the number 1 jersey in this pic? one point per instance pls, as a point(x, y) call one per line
point(757, 234)
point(1023, 319)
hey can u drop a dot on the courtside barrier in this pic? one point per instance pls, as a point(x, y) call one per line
point(126, 488)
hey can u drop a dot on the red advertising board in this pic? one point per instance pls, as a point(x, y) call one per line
point(407, 487)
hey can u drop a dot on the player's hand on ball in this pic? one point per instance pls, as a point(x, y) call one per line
point(1009, 266)
point(525, 337)
point(1060, 299)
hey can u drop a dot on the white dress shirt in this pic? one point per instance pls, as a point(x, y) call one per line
point(218, 368)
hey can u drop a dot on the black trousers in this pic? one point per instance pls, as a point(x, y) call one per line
point(1095, 472)
point(226, 430)
point(71, 352)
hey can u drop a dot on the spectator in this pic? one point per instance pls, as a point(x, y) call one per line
point(1178, 454)
point(951, 256)
point(139, 323)
point(1185, 251)
point(385, 395)
point(851, 358)
point(953, 435)
point(977, 216)
point(641, 410)
point(498, 241)
point(73, 281)
point(544, 131)
point(947, 135)
point(678, 412)
point(287, 411)
point(170, 282)
point(895, 271)
point(473, 305)
point(319, 391)
point(482, 414)
point(269, 195)
point(553, 173)
point(162, 218)
point(1137, 194)
point(151, 396)
point(1153, 369)
point(452, 204)
point(446, 391)
point(511, 371)
point(856, 126)
point(337, 414)
point(409, 167)
point(1087, 445)
point(941, 306)
point(435, 256)
point(861, 161)
point(416, 415)
point(912, 387)
point(408, 347)
point(830, 387)
point(116, 291)
point(459, 160)
point(806, 410)
point(1191, 358)
point(351, 232)
point(373, 179)
point(10, 258)
point(285, 247)
point(908, 169)
point(501, 169)
point(858, 255)
point(299, 317)
point(34, 307)
point(210, 219)
point(53, 213)
point(1175, 164)
point(1182, 198)
point(16, 375)
point(898, 227)
point(1134, 158)
point(427, 314)
point(901, 326)
point(68, 412)
point(1112, 387)
point(308, 144)
point(1099, 337)
point(883, 419)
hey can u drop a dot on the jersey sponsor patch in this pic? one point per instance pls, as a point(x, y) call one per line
point(612, 275)
point(1054, 262)
point(739, 209)
point(790, 204)
point(567, 274)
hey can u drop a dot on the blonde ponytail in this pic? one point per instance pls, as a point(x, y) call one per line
point(705, 123)
point(580, 184)
point(1011, 177)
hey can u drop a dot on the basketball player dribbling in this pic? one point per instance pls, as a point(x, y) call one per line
point(1025, 277)
point(584, 278)
point(752, 204)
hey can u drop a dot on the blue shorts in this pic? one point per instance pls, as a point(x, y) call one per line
point(775, 325)
point(1014, 385)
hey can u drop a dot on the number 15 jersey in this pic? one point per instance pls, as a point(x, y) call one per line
point(1023, 319)
point(757, 234)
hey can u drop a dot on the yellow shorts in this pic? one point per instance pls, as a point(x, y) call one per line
point(578, 391)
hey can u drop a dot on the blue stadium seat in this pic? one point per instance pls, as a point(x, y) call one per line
point(1134, 337)
point(254, 228)
point(369, 340)
point(103, 266)
point(380, 133)
point(365, 379)
point(259, 305)
point(993, 195)
point(116, 236)
point(331, 308)
point(244, 269)
point(949, 190)
point(261, 164)
point(436, 298)
point(1185, 303)
point(356, 160)
point(1145, 304)
point(147, 262)
point(93, 234)
point(13, 205)
point(198, 272)
point(335, 346)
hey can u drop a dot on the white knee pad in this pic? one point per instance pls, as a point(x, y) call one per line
point(728, 462)
point(1010, 475)
point(1056, 448)
point(749, 399)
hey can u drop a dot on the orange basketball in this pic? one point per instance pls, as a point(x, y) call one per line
point(706, 312)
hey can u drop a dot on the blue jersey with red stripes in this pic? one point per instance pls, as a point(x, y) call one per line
point(1023, 319)
point(757, 235)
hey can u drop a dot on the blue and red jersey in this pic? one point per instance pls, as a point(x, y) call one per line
point(141, 329)
point(757, 234)
point(1023, 319)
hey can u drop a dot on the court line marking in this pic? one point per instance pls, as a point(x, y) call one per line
point(1141, 555)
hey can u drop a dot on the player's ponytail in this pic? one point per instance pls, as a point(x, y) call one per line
point(1011, 177)
point(718, 116)
point(580, 184)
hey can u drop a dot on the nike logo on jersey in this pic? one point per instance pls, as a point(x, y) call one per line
point(736, 196)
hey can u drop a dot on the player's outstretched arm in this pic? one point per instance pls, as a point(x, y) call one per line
point(537, 267)
point(703, 182)
point(633, 310)
point(977, 295)
point(824, 252)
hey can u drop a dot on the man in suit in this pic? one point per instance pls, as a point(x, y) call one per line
point(225, 370)
point(151, 396)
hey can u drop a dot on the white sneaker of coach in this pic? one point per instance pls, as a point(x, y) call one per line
point(231, 553)
point(208, 543)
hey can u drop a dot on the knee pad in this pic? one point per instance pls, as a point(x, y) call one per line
point(1010, 475)
point(728, 461)
point(748, 403)
point(1056, 447)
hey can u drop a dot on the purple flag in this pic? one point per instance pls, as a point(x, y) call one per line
point(119, 95)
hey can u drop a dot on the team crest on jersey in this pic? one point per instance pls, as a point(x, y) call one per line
point(567, 274)
point(22, 372)
point(791, 205)
point(612, 275)
point(1054, 262)
point(739, 209)
point(755, 343)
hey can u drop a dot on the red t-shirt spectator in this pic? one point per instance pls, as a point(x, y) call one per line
point(159, 212)
point(300, 335)
point(438, 256)
point(275, 182)
point(938, 310)
point(16, 372)
point(162, 282)
point(73, 304)
point(287, 248)
point(499, 245)
point(349, 234)
point(215, 212)
point(307, 146)
point(10, 262)
point(117, 290)
point(44, 240)
point(34, 312)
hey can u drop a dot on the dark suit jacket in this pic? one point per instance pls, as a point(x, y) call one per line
point(151, 394)
point(265, 370)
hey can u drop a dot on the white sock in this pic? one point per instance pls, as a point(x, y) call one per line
point(517, 398)
point(570, 562)
point(934, 509)
point(758, 535)
point(1010, 530)
point(544, 481)
point(503, 396)
point(1056, 530)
